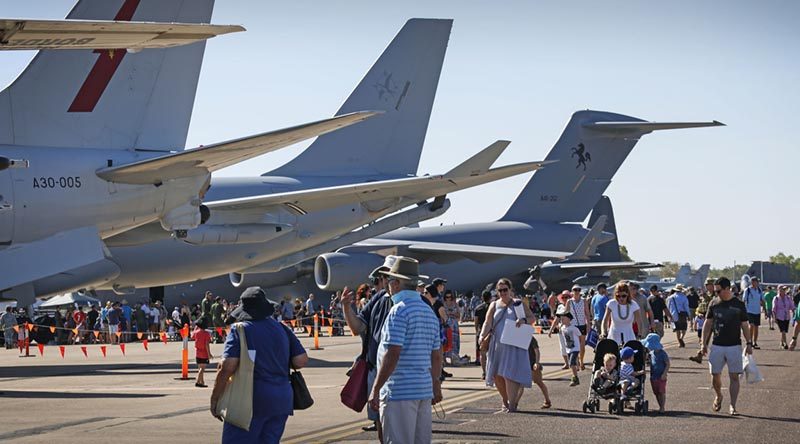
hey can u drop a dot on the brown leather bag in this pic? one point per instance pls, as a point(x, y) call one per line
point(487, 340)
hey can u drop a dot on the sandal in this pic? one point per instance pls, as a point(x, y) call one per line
point(546, 405)
point(733, 411)
point(717, 405)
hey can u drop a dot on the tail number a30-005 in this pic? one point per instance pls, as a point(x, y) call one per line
point(57, 182)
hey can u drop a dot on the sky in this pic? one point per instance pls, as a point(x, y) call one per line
point(517, 70)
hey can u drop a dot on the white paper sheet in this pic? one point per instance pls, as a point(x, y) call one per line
point(517, 336)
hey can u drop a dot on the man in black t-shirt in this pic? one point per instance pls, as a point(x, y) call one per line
point(727, 319)
point(659, 307)
point(480, 318)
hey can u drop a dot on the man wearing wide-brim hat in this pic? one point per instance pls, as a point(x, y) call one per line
point(678, 306)
point(409, 360)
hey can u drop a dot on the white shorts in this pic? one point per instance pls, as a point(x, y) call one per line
point(112, 329)
point(406, 421)
point(718, 356)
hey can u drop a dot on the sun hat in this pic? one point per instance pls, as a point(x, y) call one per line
point(652, 342)
point(404, 268)
point(253, 306)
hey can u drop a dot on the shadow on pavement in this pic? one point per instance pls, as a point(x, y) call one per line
point(319, 363)
point(560, 413)
point(79, 395)
point(462, 433)
point(33, 371)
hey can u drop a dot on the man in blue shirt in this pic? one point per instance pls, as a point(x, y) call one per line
point(754, 301)
point(598, 305)
point(409, 361)
point(678, 306)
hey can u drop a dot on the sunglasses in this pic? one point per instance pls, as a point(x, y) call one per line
point(502, 290)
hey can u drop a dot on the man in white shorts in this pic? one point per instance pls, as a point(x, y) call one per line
point(727, 319)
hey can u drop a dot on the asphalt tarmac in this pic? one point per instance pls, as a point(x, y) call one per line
point(139, 396)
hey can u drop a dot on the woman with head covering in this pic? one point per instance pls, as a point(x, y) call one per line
point(508, 368)
point(273, 348)
point(620, 315)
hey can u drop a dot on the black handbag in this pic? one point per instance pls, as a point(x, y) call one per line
point(302, 397)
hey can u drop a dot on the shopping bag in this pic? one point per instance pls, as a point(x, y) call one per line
point(448, 345)
point(236, 403)
point(592, 338)
point(751, 372)
point(355, 391)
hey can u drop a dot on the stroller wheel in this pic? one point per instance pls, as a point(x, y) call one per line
point(585, 407)
point(611, 408)
point(591, 407)
point(597, 405)
point(637, 408)
point(620, 407)
point(645, 407)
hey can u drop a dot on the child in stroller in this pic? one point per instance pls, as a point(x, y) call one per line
point(633, 354)
point(629, 376)
point(604, 371)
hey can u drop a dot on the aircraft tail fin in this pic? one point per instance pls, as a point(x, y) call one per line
point(609, 251)
point(587, 249)
point(683, 275)
point(402, 83)
point(591, 149)
point(110, 98)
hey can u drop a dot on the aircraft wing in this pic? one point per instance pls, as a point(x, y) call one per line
point(85, 34)
point(605, 265)
point(474, 171)
point(214, 157)
point(485, 251)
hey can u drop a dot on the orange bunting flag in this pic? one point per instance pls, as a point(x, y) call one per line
point(119, 333)
point(144, 343)
point(122, 347)
point(41, 349)
point(139, 335)
point(96, 334)
point(30, 326)
point(16, 328)
point(62, 349)
point(103, 349)
point(75, 331)
point(52, 329)
point(294, 323)
point(83, 349)
point(164, 338)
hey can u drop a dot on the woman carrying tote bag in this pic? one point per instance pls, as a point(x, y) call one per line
point(271, 395)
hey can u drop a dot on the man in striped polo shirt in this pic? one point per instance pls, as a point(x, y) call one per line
point(409, 362)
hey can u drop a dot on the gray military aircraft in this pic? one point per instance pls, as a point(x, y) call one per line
point(590, 263)
point(86, 133)
point(329, 196)
point(541, 225)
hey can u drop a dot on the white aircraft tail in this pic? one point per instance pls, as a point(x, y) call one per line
point(402, 83)
point(111, 98)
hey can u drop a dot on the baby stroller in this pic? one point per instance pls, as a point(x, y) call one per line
point(641, 405)
point(596, 391)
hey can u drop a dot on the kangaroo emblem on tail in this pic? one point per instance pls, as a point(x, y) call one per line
point(583, 156)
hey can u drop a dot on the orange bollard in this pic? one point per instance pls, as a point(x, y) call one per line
point(185, 352)
point(316, 332)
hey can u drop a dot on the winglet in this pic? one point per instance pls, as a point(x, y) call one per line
point(645, 127)
point(588, 246)
point(481, 162)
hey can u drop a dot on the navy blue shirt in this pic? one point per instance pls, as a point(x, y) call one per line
point(373, 315)
point(270, 345)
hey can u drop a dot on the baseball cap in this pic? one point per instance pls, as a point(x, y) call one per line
point(438, 280)
point(627, 352)
point(576, 287)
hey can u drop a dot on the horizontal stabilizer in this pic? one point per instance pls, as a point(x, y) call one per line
point(23, 34)
point(605, 265)
point(413, 189)
point(482, 250)
point(645, 127)
point(481, 162)
point(67, 250)
point(588, 246)
point(214, 157)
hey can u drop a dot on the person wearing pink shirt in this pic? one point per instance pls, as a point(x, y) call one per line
point(783, 309)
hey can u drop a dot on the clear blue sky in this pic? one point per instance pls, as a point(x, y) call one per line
point(517, 70)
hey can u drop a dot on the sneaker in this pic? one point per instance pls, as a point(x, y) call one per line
point(681, 344)
point(755, 346)
point(785, 347)
point(446, 374)
point(197, 384)
point(370, 428)
point(574, 381)
point(697, 358)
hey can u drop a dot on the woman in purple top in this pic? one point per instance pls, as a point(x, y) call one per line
point(783, 309)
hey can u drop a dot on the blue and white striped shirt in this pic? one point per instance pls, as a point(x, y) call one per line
point(412, 325)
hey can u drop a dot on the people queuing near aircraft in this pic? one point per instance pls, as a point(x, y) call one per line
point(141, 313)
point(621, 313)
point(453, 316)
point(507, 367)
point(272, 391)
point(534, 356)
point(769, 295)
point(678, 306)
point(7, 323)
point(311, 307)
point(202, 351)
point(597, 306)
point(728, 321)
point(217, 318)
point(659, 308)
point(480, 317)
point(113, 315)
point(69, 325)
point(409, 360)
point(579, 309)
point(754, 301)
point(368, 322)
point(783, 309)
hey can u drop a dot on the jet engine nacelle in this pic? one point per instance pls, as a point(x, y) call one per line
point(334, 271)
point(286, 276)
